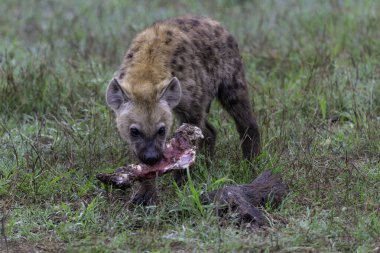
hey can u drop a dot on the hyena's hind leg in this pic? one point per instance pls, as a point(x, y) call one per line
point(234, 98)
point(209, 140)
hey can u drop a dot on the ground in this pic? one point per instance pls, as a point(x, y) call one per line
point(314, 75)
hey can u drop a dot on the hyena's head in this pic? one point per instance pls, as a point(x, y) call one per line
point(144, 125)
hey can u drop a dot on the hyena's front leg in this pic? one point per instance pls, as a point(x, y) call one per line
point(147, 194)
point(207, 145)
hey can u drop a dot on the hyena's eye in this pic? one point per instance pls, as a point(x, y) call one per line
point(161, 131)
point(135, 132)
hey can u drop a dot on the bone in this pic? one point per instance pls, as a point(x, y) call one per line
point(179, 155)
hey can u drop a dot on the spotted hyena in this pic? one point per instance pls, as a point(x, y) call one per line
point(177, 67)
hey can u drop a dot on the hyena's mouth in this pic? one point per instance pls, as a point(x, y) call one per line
point(179, 154)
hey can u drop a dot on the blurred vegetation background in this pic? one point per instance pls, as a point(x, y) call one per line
point(314, 74)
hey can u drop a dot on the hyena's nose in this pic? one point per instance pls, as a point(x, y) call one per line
point(151, 158)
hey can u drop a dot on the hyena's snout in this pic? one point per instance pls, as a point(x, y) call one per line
point(150, 155)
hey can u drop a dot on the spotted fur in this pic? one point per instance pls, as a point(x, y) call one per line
point(178, 66)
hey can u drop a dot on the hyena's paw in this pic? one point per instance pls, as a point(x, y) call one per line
point(145, 196)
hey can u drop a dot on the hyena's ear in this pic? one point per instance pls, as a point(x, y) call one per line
point(115, 96)
point(172, 93)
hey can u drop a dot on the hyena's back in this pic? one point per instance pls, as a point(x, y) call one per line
point(206, 60)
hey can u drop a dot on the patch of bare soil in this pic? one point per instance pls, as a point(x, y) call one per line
point(21, 246)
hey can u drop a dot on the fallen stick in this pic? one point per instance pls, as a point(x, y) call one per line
point(245, 199)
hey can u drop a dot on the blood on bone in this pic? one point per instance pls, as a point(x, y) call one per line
point(179, 154)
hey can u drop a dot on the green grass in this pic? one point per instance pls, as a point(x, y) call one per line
point(314, 74)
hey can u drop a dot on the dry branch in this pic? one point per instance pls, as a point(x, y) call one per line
point(245, 199)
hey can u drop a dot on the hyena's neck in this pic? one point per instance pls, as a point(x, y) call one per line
point(147, 65)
